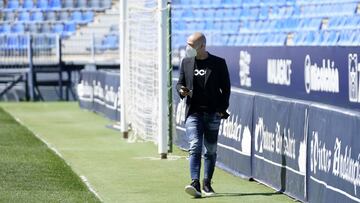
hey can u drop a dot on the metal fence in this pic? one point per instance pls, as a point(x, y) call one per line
point(20, 53)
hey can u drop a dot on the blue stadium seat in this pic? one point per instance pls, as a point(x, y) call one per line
point(106, 3)
point(68, 3)
point(24, 16)
point(70, 27)
point(46, 28)
point(55, 4)
point(187, 13)
point(43, 4)
point(81, 3)
point(18, 28)
point(64, 15)
point(12, 41)
point(76, 16)
point(33, 27)
point(58, 28)
point(6, 28)
point(13, 4)
point(219, 14)
point(28, 4)
point(51, 15)
point(88, 16)
point(111, 42)
point(264, 12)
point(23, 41)
point(37, 16)
point(9, 16)
point(94, 3)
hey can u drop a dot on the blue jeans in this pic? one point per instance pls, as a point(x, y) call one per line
point(202, 128)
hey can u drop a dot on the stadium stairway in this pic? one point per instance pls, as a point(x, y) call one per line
point(96, 42)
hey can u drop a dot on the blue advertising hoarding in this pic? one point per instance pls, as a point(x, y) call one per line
point(99, 91)
point(279, 144)
point(234, 142)
point(328, 75)
point(333, 155)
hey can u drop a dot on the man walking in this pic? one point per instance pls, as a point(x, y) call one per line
point(204, 81)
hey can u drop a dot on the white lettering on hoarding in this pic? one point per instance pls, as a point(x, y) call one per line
point(244, 73)
point(322, 79)
point(354, 80)
point(339, 163)
point(277, 141)
point(232, 128)
point(279, 71)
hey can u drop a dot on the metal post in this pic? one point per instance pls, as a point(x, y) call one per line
point(122, 45)
point(31, 69)
point(93, 47)
point(58, 44)
point(170, 92)
point(163, 105)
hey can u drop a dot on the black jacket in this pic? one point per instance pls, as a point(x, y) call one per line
point(217, 83)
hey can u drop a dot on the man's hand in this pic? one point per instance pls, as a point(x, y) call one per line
point(220, 114)
point(184, 91)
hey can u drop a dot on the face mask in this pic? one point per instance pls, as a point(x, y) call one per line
point(190, 52)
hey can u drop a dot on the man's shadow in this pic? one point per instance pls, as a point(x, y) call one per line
point(243, 194)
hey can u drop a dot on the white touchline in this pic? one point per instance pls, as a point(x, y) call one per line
point(60, 155)
point(335, 189)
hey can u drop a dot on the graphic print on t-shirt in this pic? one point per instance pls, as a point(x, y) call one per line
point(200, 72)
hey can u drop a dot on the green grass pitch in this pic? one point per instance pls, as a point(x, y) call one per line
point(117, 170)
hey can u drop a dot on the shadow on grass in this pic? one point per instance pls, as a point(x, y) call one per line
point(242, 194)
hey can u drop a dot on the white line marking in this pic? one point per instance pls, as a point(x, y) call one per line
point(233, 149)
point(279, 165)
point(87, 183)
point(60, 155)
point(335, 189)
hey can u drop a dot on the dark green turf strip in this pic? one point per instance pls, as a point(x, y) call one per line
point(30, 172)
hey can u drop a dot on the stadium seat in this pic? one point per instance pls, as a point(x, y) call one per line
point(51, 16)
point(43, 4)
point(106, 3)
point(24, 16)
point(88, 16)
point(64, 16)
point(55, 4)
point(9, 16)
point(45, 28)
point(94, 3)
point(76, 16)
point(58, 28)
point(70, 28)
point(37, 16)
point(110, 42)
point(81, 3)
point(6, 28)
point(12, 41)
point(68, 3)
point(23, 41)
point(28, 4)
point(13, 4)
point(33, 27)
point(18, 28)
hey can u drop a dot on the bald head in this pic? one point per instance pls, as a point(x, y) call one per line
point(196, 40)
